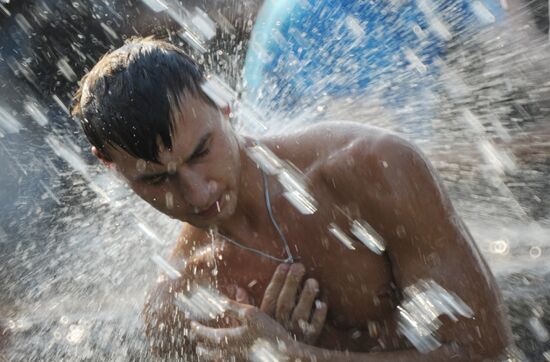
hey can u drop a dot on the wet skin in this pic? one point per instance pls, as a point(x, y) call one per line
point(354, 172)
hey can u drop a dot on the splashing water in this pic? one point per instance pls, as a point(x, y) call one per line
point(77, 245)
point(292, 179)
point(264, 351)
point(202, 304)
point(419, 311)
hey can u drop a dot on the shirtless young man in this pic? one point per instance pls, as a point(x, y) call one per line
point(143, 110)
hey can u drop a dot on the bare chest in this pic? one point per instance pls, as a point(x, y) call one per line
point(354, 281)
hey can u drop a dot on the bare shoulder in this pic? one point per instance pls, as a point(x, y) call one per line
point(315, 145)
point(357, 151)
point(347, 156)
point(190, 239)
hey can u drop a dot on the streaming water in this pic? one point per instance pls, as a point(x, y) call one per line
point(78, 249)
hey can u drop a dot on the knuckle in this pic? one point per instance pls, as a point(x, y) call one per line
point(297, 268)
point(268, 302)
point(321, 320)
point(282, 313)
point(304, 326)
point(298, 314)
point(282, 269)
point(322, 307)
point(312, 285)
point(269, 295)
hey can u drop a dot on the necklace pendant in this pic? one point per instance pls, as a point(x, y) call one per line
point(291, 259)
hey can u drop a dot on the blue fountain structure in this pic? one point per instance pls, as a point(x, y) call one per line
point(303, 50)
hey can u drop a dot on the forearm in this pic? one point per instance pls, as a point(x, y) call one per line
point(306, 352)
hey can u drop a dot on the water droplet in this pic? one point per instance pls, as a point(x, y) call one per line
point(368, 236)
point(76, 334)
point(166, 267)
point(420, 309)
point(341, 236)
point(535, 252)
point(169, 200)
point(401, 231)
point(141, 165)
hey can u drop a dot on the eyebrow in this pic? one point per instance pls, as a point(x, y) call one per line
point(196, 151)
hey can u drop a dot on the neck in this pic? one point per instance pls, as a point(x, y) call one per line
point(253, 216)
point(250, 214)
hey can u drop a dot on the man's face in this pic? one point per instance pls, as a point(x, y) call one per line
point(197, 180)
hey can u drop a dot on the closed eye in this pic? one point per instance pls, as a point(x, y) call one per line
point(201, 153)
point(156, 180)
point(202, 149)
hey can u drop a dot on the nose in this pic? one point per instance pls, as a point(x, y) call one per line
point(194, 188)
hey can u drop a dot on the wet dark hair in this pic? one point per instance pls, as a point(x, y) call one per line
point(129, 97)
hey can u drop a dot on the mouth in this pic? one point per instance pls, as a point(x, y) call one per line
point(212, 210)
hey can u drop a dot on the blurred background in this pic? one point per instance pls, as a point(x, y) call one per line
point(468, 81)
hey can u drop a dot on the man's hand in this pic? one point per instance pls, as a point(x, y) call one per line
point(280, 312)
point(286, 311)
point(258, 334)
point(303, 317)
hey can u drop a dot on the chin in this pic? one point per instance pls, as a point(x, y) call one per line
point(212, 221)
point(228, 209)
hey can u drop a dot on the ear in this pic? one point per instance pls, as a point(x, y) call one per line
point(226, 110)
point(104, 160)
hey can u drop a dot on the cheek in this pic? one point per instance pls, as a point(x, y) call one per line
point(229, 157)
point(146, 192)
point(162, 198)
point(138, 189)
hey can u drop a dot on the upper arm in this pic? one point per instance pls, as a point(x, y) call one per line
point(426, 239)
point(165, 322)
point(432, 240)
point(188, 239)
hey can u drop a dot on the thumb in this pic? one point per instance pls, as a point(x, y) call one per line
point(242, 296)
point(244, 312)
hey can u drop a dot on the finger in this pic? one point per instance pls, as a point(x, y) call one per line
point(287, 297)
point(317, 320)
point(269, 301)
point(245, 313)
point(303, 309)
point(242, 296)
point(210, 336)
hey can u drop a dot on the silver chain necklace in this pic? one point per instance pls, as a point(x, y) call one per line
point(290, 258)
